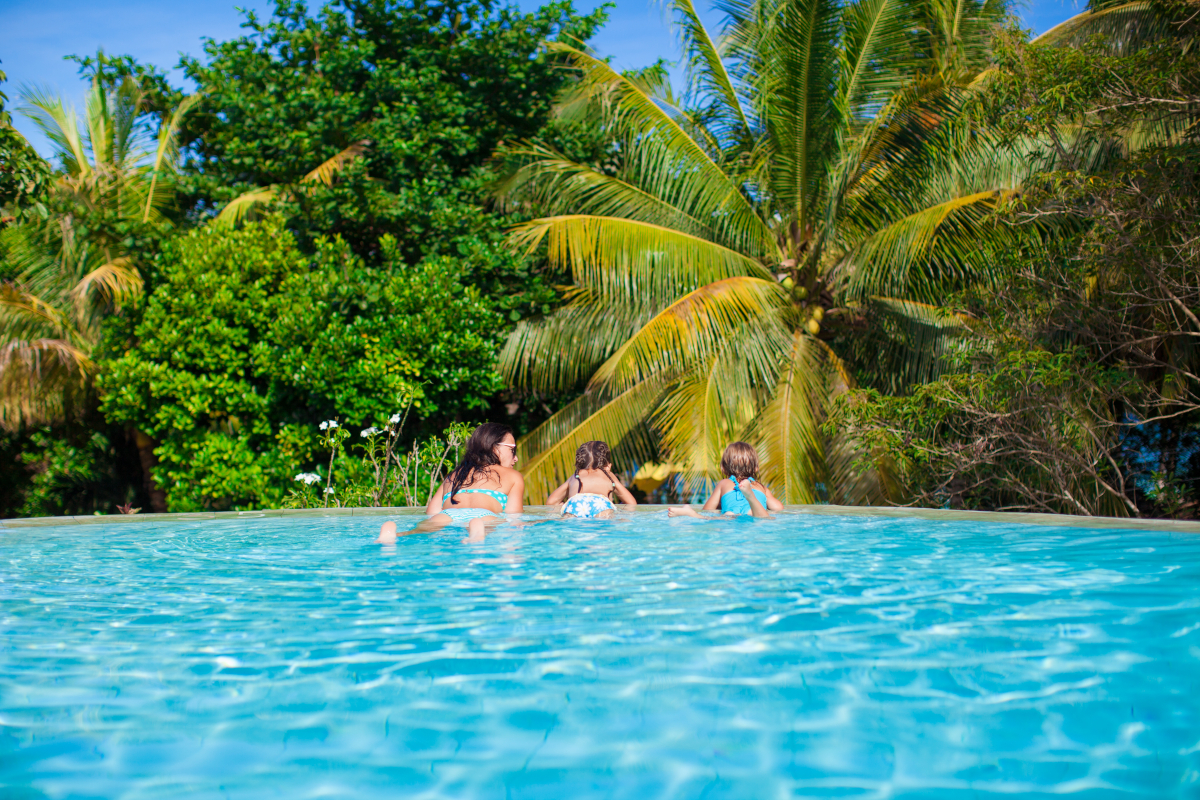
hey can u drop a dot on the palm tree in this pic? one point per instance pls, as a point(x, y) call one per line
point(1123, 26)
point(820, 172)
point(71, 272)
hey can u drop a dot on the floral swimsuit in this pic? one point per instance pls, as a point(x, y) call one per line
point(587, 504)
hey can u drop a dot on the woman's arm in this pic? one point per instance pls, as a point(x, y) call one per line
point(713, 503)
point(516, 495)
point(773, 503)
point(559, 495)
point(756, 507)
point(626, 496)
point(434, 506)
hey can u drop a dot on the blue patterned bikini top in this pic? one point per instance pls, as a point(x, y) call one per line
point(736, 502)
point(497, 495)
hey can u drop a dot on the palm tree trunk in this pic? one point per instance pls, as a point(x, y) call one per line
point(145, 447)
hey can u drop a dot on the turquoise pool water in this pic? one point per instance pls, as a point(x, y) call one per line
point(809, 656)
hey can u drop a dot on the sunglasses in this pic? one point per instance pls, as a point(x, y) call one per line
point(505, 444)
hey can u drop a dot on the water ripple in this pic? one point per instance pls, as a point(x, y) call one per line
point(802, 657)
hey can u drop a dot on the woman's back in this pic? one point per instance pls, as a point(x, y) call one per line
point(488, 489)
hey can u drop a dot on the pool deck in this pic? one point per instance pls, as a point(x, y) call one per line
point(1051, 520)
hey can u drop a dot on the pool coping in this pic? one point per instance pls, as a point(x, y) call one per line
point(991, 517)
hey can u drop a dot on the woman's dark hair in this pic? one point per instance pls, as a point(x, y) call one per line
point(593, 455)
point(480, 456)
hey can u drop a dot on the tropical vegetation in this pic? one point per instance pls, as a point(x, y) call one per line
point(911, 254)
point(822, 170)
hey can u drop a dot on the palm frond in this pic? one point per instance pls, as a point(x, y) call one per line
point(709, 76)
point(41, 381)
point(638, 261)
point(956, 35)
point(787, 432)
point(907, 343)
point(713, 403)
point(913, 256)
point(556, 184)
point(559, 352)
point(59, 124)
point(1125, 26)
point(244, 204)
point(327, 169)
point(111, 283)
point(614, 418)
point(166, 156)
point(874, 55)
point(795, 46)
point(660, 156)
point(690, 331)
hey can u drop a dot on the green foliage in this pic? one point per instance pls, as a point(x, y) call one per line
point(1014, 427)
point(246, 342)
point(65, 470)
point(433, 88)
point(24, 175)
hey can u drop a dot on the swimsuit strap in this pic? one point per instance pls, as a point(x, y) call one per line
point(576, 477)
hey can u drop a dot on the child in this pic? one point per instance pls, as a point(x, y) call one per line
point(480, 490)
point(588, 493)
point(739, 494)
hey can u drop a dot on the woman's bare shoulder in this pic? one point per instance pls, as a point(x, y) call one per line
point(508, 475)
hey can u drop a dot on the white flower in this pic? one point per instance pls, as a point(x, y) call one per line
point(308, 477)
point(395, 418)
point(369, 431)
point(329, 490)
point(332, 424)
point(324, 425)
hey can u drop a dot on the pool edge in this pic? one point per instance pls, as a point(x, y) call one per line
point(989, 517)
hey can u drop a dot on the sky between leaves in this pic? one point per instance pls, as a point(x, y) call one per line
point(36, 34)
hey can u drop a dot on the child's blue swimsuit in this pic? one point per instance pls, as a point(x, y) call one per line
point(736, 503)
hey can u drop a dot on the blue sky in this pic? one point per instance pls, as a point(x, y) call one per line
point(36, 34)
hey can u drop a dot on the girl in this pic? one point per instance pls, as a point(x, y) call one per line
point(739, 494)
point(588, 493)
point(480, 490)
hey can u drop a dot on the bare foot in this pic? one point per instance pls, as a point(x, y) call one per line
point(682, 511)
point(387, 533)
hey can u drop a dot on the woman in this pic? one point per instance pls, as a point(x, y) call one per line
point(479, 491)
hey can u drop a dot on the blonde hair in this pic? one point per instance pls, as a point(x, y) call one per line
point(739, 460)
point(593, 455)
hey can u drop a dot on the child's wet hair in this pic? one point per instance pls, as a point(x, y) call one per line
point(739, 460)
point(593, 455)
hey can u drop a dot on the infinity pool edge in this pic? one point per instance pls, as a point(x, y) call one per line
point(1001, 517)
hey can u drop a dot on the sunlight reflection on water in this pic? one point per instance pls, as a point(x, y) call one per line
point(809, 656)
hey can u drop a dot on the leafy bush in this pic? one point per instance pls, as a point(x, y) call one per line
point(246, 343)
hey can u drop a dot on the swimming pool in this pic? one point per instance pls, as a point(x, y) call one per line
point(809, 656)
